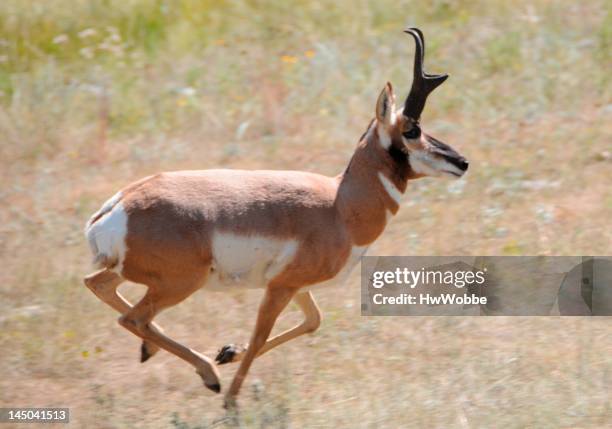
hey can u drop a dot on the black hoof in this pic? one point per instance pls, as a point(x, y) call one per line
point(144, 353)
point(227, 353)
point(214, 387)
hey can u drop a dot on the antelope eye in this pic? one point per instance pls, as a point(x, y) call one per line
point(413, 133)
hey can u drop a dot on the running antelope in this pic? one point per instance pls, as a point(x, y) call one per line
point(282, 231)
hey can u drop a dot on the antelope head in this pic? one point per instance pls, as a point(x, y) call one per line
point(400, 131)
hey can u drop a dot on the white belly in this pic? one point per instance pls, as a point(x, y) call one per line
point(247, 261)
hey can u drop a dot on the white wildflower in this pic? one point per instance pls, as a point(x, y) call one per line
point(59, 39)
point(115, 37)
point(89, 32)
point(187, 91)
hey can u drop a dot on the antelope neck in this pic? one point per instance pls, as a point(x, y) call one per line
point(370, 188)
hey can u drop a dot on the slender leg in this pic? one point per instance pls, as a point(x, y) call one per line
point(139, 321)
point(104, 284)
point(312, 321)
point(274, 300)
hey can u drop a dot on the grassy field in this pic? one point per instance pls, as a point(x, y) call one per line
point(96, 94)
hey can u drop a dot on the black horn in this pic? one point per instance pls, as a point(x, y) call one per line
point(422, 84)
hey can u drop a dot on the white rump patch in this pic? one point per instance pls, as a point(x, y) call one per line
point(106, 235)
point(106, 207)
point(248, 261)
point(390, 188)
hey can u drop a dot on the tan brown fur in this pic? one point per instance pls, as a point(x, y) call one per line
point(172, 219)
point(172, 216)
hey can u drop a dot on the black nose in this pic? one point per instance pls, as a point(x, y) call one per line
point(457, 160)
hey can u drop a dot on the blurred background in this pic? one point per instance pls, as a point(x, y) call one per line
point(96, 94)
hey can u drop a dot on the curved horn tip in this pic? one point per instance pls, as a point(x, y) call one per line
point(418, 39)
point(418, 30)
point(414, 30)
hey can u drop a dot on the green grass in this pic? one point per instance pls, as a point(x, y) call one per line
point(59, 60)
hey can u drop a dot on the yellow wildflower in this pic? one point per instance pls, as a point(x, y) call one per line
point(289, 59)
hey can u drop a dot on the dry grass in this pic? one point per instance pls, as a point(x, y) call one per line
point(161, 85)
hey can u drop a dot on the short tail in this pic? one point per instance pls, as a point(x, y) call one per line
point(105, 232)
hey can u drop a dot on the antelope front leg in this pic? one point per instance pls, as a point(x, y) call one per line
point(274, 300)
point(312, 321)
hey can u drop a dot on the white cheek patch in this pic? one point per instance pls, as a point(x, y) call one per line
point(422, 163)
point(390, 188)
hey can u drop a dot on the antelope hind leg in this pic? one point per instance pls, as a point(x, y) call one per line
point(104, 284)
point(139, 321)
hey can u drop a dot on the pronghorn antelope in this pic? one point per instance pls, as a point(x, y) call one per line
point(282, 231)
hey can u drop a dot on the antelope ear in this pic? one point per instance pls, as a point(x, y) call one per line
point(385, 106)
